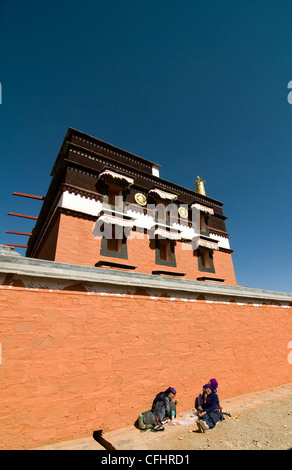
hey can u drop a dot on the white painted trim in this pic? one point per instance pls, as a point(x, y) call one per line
point(209, 245)
point(79, 203)
point(223, 242)
point(155, 171)
point(141, 220)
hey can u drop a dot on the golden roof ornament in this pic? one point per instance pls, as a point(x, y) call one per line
point(199, 183)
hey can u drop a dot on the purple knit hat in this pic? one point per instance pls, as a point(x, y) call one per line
point(170, 390)
point(214, 384)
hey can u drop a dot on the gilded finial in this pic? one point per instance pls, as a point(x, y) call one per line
point(199, 183)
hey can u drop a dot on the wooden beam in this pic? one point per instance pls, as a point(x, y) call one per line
point(22, 215)
point(12, 244)
point(31, 196)
point(19, 233)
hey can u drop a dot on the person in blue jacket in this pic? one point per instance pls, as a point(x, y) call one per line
point(211, 411)
point(202, 397)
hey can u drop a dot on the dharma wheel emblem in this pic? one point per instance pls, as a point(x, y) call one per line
point(183, 212)
point(141, 199)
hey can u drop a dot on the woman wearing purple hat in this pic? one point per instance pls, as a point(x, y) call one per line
point(163, 407)
point(211, 411)
point(214, 384)
point(201, 399)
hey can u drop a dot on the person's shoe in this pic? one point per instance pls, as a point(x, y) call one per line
point(157, 428)
point(199, 426)
point(202, 426)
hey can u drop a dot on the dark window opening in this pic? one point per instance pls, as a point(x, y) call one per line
point(114, 242)
point(205, 260)
point(165, 253)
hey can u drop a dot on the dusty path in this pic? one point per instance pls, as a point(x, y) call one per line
point(267, 427)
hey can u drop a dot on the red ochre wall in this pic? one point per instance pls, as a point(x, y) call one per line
point(74, 243)
point(73, 361)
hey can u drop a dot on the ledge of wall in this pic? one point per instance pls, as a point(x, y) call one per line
point(12, 262)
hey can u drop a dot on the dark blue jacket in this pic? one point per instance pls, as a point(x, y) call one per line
point(212, 403)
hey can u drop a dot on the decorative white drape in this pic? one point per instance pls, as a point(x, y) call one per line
point(167, 234)
point(111, 219)
point(112, 174)
point(201, 208)
point(209, 245)
point(163, 195)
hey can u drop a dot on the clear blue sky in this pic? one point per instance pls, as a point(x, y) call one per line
point(197, 86)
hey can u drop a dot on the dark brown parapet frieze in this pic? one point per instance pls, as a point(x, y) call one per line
point(78, 139)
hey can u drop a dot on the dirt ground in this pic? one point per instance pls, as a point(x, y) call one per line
point(259, 421)
point(267, 427)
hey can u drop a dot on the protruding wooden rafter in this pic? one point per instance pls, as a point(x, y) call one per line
point(19, 233)
point(12, 244)
point(31, 196)
point(23, 215)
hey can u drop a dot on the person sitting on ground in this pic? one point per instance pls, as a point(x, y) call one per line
point(211, 413)
point(164, 407)
point(203, 396)
point(200, 398)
